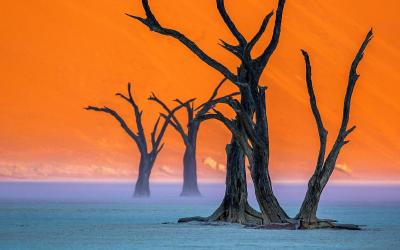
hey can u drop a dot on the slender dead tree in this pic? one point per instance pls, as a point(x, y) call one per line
point(147, 155)
point(234, 207)
point(326, 166)
point(189, 134)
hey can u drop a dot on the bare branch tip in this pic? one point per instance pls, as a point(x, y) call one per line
point(141, 19)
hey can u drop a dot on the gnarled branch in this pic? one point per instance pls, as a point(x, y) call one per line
point(137, 112)
point(137, 138)
point(262, 60)
point(353, 77)
point(213, 100)
point(317, 116)
point(258, 35)
point(151, 22)
point(173, 120)
point(228, 21)
point(176, 124)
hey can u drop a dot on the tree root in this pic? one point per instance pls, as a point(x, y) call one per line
point(291, 224)
point(327, 224)
point(249, 217)
point(190, 219)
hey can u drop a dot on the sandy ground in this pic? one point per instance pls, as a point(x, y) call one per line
point(112, 222)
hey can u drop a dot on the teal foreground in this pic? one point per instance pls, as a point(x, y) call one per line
point(151, 224)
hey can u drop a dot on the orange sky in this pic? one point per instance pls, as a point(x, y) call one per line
point(59, 56)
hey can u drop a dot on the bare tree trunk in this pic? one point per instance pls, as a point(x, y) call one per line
point(190, 187)
point(269, 205)
point(142, 187)
point(309, 207)
point(234, 207)
point(317, 183)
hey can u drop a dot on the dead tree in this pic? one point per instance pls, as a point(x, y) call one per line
point(255, 144)
point(147, 155)
point(326, 166)
point(234, 207)
point(189, 135)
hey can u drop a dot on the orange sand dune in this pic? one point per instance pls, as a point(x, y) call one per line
point(59, 56)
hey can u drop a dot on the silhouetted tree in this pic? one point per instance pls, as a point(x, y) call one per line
point(148, 155)
point(326, 166)
point(255, 145)
point(189, 135)
point(234, 207)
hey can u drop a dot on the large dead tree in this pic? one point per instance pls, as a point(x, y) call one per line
point(148, 155)
point(326, 165)
point(234, 207)
point(255, 144)
point(189, 134)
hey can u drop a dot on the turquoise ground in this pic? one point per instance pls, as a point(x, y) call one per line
point(138, 224)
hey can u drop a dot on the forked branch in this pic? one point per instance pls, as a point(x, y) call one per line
point(117, 117)
point(153, 24)
point(263, 59)
point(229, 23)
point(139, 137)
point(325, 167)
point(317, 116)
point(171, 113)
point(353, 77)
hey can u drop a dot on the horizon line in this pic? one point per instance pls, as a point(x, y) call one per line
point(209, 182)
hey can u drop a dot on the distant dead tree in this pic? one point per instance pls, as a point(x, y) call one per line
point(326, 166)
point(234, 207)
point(147, 155)
point(189, 134)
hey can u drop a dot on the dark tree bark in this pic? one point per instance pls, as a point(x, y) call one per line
point(190, 187)
point(248, 76)
point(189, 135)
point(142, 187)
point(147, 156)
point(270, 207)
point(235, 207)
point(325, 166)
point(255, 143)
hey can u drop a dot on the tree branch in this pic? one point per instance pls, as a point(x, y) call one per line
point(236, 50)
point(140, 143)
point(258, 35)
point(212, 101)
point(189, 109)
point(151, 22)
point(153, 133)
point(156, 140)
point(262, 60)
point(179, 126)
point(171, 114)
point(317, 116)
point(228, 21)
point(137, 112)
point(218, 116)
point(353, 77)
